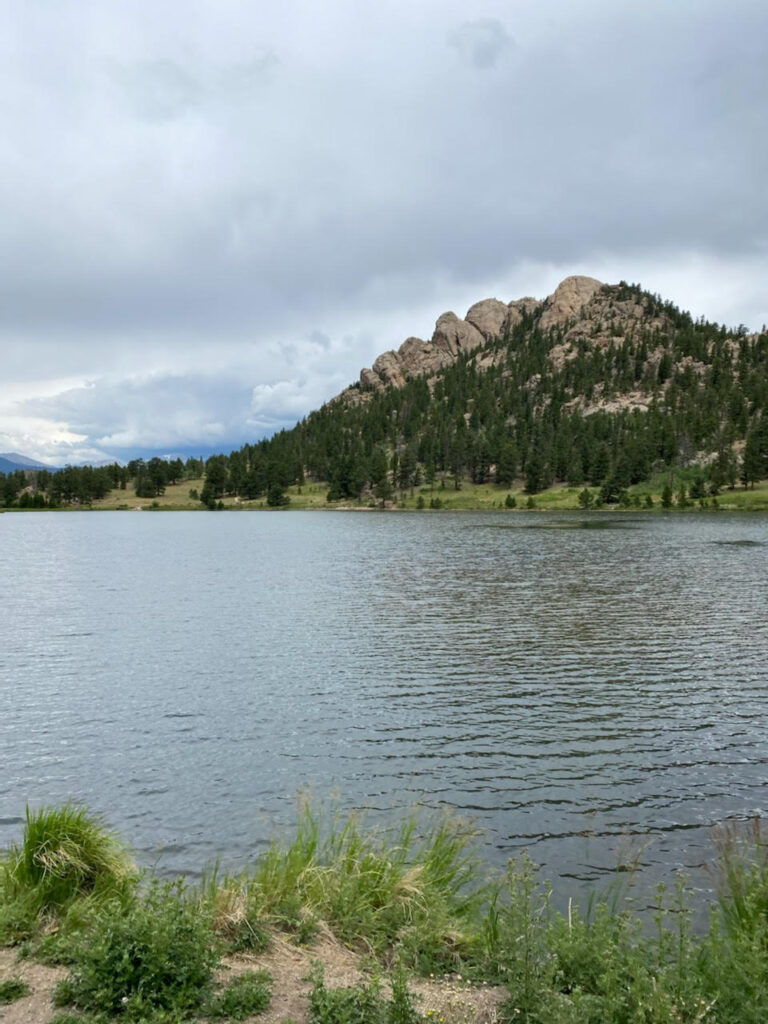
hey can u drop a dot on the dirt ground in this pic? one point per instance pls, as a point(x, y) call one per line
point(452, 999)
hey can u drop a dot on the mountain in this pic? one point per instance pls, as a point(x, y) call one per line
point(599, 385)
point(11, 461)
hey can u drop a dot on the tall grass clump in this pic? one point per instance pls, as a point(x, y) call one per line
point(235, 909)
point(593, 966)
point(410, 892)
point(65, 852)
point(735, 954)
point(67, 862)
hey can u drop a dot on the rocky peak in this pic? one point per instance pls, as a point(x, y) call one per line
point(489, 316)
point(568, 300)
point(485, 320)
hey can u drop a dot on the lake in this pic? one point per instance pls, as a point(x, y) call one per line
point(591, 688)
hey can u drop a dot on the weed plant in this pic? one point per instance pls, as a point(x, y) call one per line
point(155, 955)
point(361, 1004)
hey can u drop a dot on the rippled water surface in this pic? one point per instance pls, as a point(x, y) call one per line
point(591, 688)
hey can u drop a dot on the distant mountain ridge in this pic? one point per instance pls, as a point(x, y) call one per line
point(10, 462)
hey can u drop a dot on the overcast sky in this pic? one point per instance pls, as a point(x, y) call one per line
point(213, 213)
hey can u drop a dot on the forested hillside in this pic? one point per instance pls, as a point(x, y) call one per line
point(622, 388)
point(598, 386)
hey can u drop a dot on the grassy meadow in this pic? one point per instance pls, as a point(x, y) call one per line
point(470, 497)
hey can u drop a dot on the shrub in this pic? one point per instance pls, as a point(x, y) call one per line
point(155, 955)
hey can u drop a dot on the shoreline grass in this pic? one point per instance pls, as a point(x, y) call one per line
point(413, 901)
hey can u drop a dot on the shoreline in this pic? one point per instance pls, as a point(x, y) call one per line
point(340, 918)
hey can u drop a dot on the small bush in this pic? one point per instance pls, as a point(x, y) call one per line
point(12, 989)
point(155, 955)
point(65, 852)
point(362, 1004)
point(245, 996)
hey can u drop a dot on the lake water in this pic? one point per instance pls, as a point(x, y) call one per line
point(591, 688)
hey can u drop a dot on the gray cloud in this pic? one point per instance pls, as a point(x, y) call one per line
point(189, 193)
point(481, 43)
point(158, 90)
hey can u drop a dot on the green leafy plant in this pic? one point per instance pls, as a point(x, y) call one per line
point(362, 1004)
point(155, 955)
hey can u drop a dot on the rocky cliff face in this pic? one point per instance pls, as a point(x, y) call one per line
point(487, 319)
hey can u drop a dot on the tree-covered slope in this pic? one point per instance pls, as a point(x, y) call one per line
point(604, 395)
point(598, 385)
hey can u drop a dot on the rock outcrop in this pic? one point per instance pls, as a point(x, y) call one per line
point(453, 336)
point(485, 320)
point(489, 316)
point(416, 357)
point(568, 299)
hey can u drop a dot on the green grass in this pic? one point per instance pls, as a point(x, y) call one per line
point(12, 989)
point(413, 892)
point(312, 495)
point(176, 497)
point(245, 996)
point(65, 853)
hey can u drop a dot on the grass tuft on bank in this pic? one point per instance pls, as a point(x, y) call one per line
point(67, 860)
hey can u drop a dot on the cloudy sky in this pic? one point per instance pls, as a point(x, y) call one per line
point(213, 213)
